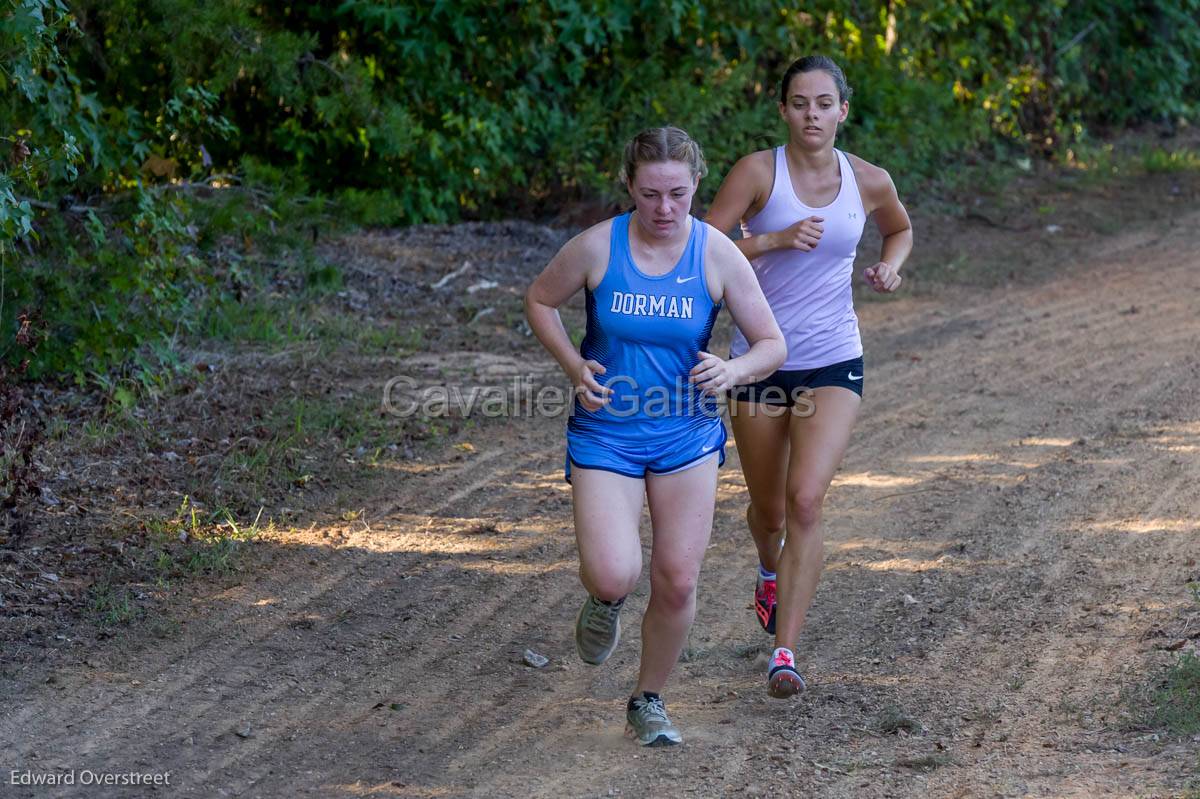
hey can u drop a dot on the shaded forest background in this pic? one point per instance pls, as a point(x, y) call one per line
point(163, 158)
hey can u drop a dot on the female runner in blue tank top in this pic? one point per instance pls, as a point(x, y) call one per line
point(802, 208)
point(646, 423)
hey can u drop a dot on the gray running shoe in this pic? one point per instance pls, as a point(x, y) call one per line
point(598, 629)
point(648, 722)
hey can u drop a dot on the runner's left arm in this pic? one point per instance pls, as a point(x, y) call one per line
point(733, 279)
point(883, 204)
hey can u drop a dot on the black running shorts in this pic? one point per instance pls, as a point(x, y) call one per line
point(785, 386)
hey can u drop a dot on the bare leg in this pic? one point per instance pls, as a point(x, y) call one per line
point(608, 508)
point(818, 443)
point(761, 432)
point(681, 511)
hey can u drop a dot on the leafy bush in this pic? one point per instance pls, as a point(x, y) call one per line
point(116, 267)
point(113, 113)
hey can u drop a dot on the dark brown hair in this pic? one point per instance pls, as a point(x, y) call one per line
point(811, 63)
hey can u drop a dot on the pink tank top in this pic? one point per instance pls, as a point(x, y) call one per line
point(810, 293)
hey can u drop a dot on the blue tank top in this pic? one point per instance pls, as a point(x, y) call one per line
point(647, 331)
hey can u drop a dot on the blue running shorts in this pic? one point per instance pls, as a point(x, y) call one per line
point(666, 453)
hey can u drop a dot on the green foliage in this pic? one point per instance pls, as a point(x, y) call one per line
point(112, 604)
point(111, 287)
point(36, 94)
point(390, 112)
point(501, 110)
point(190, 543)
point(1043, 72)
point(436, 111)
point(1177, 701)
point(1157, 159)
point(111, 282)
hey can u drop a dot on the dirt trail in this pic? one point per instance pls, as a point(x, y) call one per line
point(1007, 542)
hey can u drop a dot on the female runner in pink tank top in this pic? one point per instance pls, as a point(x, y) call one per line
point(802, 207)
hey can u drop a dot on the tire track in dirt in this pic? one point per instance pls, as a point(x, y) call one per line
point(1055, 305)
point(987, 357)
point(131, 705)
point(468, 622)
point(995, 306)
point(1067, 301)
point(1050, 658)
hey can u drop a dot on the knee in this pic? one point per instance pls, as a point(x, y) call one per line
point(609, 586)
point(804, 508)
point(675, 589)
point(770, 519)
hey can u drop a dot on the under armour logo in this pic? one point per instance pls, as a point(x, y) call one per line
point(853, 215)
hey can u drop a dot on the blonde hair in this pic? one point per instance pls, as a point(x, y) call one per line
point(656, 145)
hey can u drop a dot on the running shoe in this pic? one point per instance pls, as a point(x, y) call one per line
point(764, 604)
point(648, 723)
point(783, 680)
point(598, 629)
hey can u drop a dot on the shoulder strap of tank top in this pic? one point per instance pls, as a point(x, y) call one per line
point(618, 249)
point(852, 194)
point(692, 260)
point(699, 243)
point(618, 242)
point(781, 174)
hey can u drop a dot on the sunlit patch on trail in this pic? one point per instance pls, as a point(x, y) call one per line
point(396, 789)
point(1144, 526)
point(417, 533)
point(884, 555)
point(892, 546)
point(1036, 441)
point(540, 481)
point(910, 565)
point(412, 468)
point(1183, 438)
point(731, 482)
point(973, 457)
point(872, 480)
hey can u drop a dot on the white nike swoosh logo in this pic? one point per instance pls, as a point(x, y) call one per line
point(685, 279)
point(853, 376)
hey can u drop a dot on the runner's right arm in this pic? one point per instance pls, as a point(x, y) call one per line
point(745, 192)
point(568, 272)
